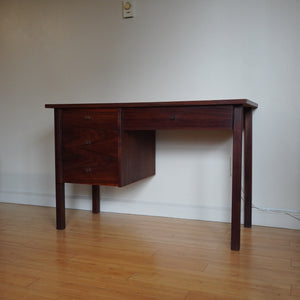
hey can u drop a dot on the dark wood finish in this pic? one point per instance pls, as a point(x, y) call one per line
point(92, 153)
point(137, 156)
point(177, 117)
point(103, 118)
point(60, 186)
point(248, 168)
point(243, 102)
point(90, 156)
point(60, 206)
point(114, 144)
point(236, 177)
point(90, 146)
point(96, 198)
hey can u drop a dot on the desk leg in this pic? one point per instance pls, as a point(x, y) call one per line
point(248, 168)
point(236, 178)
point(60, 186)
point(96, 198)
point(60, 206)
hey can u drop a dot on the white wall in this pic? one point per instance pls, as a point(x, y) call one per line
point(65, 51)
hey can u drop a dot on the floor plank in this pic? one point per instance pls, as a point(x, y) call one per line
point(119, 256)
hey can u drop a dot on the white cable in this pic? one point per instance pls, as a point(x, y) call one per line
point(291, 213)
point(287, 212)
point(275, 210)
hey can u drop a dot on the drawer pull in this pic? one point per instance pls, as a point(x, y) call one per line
point(87, 142)
point(88, 170)
point(173, 117)
point(87, 117)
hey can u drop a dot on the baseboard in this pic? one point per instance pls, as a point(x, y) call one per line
point(198, 212)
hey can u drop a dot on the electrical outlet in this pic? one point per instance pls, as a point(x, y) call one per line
point(128, 9)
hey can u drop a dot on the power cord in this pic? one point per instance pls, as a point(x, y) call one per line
point(291, 213)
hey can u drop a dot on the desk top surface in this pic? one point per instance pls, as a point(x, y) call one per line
point(243, 102)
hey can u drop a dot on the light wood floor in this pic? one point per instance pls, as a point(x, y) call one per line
point(117, 256)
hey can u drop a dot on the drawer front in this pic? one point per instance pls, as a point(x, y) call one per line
point(90, 139)
point(91, 118)
point(177, 117)
point(90, 156)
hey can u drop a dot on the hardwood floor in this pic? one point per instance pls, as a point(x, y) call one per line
point(118, 256)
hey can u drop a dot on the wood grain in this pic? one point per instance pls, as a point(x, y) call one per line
point(248, 168)
point(118, 256)
point(137, 155)
point(152, 118)
point(114, 144)
point(236, 177)
point(91, 156)
point(60, 185)
point(95, 199)
point(90, 139)
point(243, 102)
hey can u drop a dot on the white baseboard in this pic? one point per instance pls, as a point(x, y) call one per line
point(198, 212)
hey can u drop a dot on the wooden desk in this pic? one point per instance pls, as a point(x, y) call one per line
point(114, 144)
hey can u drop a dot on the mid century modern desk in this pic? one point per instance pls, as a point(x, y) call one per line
point(114, 144)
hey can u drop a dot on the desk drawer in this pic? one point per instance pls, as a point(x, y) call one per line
point(177, 117)
point(91, 118)
point(90, 156)
point(90, 140)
